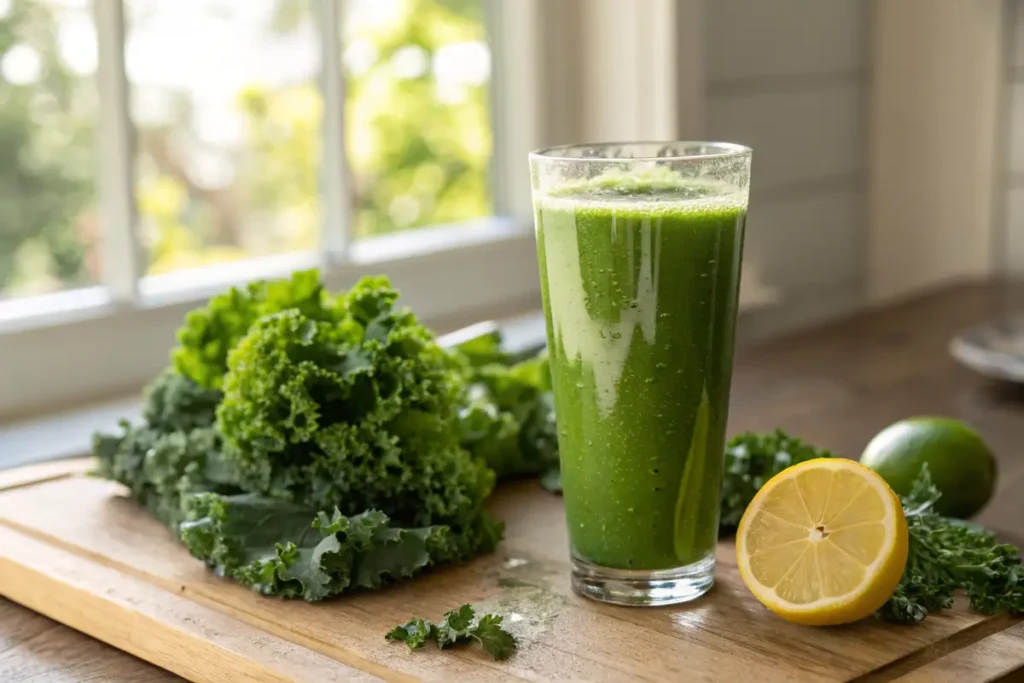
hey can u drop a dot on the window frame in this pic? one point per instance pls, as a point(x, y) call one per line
point(71, 347)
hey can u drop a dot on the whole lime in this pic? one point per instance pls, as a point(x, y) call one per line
point(961, 465)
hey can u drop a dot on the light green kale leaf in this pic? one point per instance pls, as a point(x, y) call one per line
point(209, 333)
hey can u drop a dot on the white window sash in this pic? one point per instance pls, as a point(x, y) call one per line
point(121, 256)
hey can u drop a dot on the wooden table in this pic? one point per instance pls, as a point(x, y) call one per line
point(836, 387)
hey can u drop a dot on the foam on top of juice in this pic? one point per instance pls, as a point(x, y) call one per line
point(655, 191)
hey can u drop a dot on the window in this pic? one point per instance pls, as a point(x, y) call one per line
point(164, 149)
point(226, 132)
point(49, 226)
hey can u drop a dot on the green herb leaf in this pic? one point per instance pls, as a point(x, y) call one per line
point(414, 633)
point(454, 628)
point(948, 555)
point(495, 640)
point(458, 627)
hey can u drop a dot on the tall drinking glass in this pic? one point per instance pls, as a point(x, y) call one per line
point(639, 247)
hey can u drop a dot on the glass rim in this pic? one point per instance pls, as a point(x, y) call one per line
point(721, 150)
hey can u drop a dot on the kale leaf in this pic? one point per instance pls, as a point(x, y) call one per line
point(948, 555)
point(210, 333)
point(174, 452)
point(507, 415)
point(360, 413)
point(457, 627)
point(306, 445)
point(287, 550)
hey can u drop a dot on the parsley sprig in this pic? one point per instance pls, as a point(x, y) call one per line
point(947, 555)
point(457, 627)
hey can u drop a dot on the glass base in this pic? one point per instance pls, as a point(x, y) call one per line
point(636, 588)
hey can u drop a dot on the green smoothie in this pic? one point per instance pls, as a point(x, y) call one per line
point(640, 287)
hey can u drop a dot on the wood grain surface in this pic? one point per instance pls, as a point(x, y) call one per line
point(836, 387)
point(34, 649)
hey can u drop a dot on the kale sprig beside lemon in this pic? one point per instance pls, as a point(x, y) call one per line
point(827, 541)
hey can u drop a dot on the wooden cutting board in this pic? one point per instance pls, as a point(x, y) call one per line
point(74, 549)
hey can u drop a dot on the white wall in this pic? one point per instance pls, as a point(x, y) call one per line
point(789, 78)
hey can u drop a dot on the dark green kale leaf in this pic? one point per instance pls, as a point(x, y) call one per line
point(361, 413)
point(947, 555)
point(210, 333)
point(457, 627)
point(174, 403)
point(174, 452)
point(288, 550)
point(750, 461)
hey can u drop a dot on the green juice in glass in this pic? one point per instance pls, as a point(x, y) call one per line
point(640, 286)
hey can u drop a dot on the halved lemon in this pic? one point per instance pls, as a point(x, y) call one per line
point(823, 542)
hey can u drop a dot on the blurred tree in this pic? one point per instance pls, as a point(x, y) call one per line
point(47, 215)
point(417, 115)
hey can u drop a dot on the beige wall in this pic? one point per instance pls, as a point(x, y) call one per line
point(789, 78)
point(1010, 238)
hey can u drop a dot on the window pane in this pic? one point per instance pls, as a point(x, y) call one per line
point(227, 111)
point(48, 219)
point(418, 132)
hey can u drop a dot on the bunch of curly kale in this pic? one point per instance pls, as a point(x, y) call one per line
point(305, 444)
